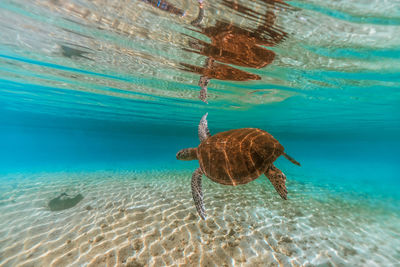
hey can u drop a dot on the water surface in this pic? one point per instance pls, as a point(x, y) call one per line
point(96, 97)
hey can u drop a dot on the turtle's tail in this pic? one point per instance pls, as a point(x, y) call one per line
point(291, 159)
point(187, 154)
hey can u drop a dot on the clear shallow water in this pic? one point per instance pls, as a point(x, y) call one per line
point(93, 86)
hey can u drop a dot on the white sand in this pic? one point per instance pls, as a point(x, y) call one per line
point(148, 219)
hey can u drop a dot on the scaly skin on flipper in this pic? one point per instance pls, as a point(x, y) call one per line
point(197, 193)
point(204, 133)
point(278, 180)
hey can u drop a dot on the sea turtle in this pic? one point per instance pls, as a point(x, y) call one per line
point(235, 157)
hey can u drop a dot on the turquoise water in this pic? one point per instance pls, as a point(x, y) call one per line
point(103, 89)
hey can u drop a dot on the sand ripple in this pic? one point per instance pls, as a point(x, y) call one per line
point(148, 219)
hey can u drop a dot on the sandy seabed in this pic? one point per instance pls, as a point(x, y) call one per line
point(130, 218)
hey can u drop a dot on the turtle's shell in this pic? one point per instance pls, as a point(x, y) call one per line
point(238, 156)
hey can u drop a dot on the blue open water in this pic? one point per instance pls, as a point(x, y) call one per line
point(113, 85)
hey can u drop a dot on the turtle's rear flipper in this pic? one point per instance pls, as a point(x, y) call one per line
point(291, 159)
point(197, 193)
point(278, 180)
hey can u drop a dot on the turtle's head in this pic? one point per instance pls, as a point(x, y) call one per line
point(187, 154)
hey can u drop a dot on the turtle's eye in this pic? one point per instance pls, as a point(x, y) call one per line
point(181, 155)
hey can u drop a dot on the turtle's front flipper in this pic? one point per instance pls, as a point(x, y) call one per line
point(197, 193)
point(204, 133)
point(278, 180)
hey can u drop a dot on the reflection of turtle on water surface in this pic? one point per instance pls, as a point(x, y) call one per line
point(165, 6)
point(235, 45)
point(235, 157)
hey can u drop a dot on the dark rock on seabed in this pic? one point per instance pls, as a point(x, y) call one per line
point(64, 201)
